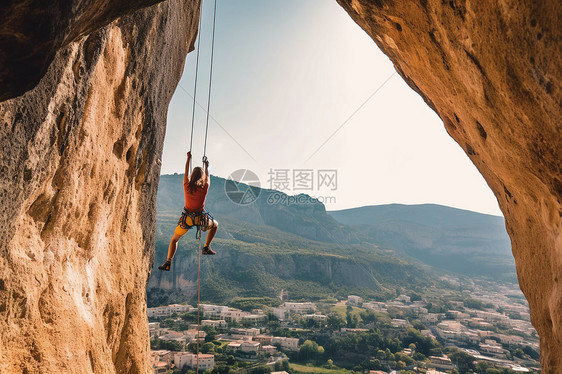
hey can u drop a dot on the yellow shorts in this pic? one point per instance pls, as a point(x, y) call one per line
point(186, 222)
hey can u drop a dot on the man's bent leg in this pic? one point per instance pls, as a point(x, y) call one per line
point(173, 246)
point(211, 233)
point(178, 233)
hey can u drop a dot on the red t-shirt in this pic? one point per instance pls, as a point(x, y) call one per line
point(195, 202)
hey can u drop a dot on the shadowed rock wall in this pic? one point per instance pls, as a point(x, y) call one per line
point(492, 71)
point(79, 174)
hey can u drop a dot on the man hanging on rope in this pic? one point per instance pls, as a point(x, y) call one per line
point(195, 189)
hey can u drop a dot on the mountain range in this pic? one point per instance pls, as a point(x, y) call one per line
point(461, 241)
point(270, 245)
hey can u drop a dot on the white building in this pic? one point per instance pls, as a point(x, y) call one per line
point(284, 311)
point(430, 318)
point(245, 332)
point(300, 308)
point(281, 313)
point(270, 349)
point(253, 318)
point(161, 360)
point(234, 345)
point(396, 322)
point(189, 359)
point(173, 336)
point(510, 339)
point(230, 314)
point(290, 344)
point(354, 300)
point(403, 298)
point(217, 324)
point(250, 346)
point(491, 347)
point(375, 306)
point(316, 317)
point(166, 311)
point(154, 329)
point(191, 335)
point(440, 362)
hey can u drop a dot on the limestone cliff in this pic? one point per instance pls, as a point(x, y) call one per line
point(78, 177)
point(492, 71)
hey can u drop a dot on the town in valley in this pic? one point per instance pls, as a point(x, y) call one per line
point(486, 330)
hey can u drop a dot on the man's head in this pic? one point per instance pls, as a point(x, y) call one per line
point(197, 179)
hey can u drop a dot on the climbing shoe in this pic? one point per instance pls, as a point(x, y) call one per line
point(208, 251)
point(166, 266)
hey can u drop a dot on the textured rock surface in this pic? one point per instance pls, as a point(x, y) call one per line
point(492, 70)
point(78, 181)
point(32, 31)
point(78, 172)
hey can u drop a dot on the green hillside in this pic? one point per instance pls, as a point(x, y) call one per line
point(264, 248)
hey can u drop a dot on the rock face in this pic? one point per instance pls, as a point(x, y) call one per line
point(492, 71)
point(78, 177)
point(33, 31)
point(78, 173)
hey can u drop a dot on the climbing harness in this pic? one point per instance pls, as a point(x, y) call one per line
point(198, 219)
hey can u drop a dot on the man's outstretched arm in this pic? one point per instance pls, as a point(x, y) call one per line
point(186, 174)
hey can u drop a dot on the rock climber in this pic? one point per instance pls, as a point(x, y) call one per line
point(195, 188)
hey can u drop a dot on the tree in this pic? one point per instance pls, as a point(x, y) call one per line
point(352, 320)
point(262, 369)
point(220, 369)
point(310, 350)
point(211, 333)
point(482, 366)
point(464, 361)
point(531, 352)
point(368, 316)
point(335, 322)
point(415, 297)
point(207, 347)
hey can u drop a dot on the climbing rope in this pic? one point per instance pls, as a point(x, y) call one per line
point(210, 79)
point(195, 88)
point(198, 233)
point(198, 294)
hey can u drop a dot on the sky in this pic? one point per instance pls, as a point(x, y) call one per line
point(301, 94)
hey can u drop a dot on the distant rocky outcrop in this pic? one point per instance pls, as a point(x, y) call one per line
point(78, 177)
point(492, 70)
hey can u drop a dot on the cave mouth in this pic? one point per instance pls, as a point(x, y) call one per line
point(415, 161)
point(77, 195)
